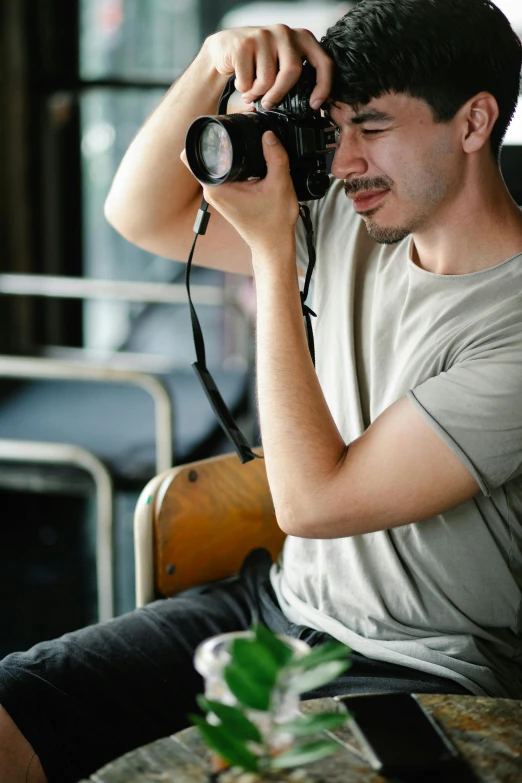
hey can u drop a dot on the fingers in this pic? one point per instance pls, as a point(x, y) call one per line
point(244, 66)
point(267, 62)
point(324, 67)
point(295, 45)
point(276, 157)
point(290, 68)
point(273, 148)
point(266, 73)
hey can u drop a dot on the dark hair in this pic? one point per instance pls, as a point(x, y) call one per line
point(441, 51)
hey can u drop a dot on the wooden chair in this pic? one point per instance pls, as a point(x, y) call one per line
point(195, 523)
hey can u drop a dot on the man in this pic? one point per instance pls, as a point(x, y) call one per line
point(396, 469)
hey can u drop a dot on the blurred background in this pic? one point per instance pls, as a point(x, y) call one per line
point(95, 336)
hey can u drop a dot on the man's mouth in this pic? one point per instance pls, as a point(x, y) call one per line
point(364, 201)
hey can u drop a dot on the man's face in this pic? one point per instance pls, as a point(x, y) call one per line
point(399, 167)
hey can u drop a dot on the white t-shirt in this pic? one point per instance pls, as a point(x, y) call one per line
point(442, 595)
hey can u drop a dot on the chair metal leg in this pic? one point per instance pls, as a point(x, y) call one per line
point(67, 454)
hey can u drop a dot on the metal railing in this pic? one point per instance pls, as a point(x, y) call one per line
point(129, 291)
point(56, 369)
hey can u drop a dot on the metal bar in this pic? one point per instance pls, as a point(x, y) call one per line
point(67, 454)
point(144, 539)
point(84, 288)
point(127, 360)
point(54, 369)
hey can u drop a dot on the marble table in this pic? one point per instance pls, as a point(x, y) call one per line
point(487, 732)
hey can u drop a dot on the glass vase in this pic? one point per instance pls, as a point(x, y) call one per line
point(210, 660)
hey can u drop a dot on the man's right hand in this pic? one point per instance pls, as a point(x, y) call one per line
point(154, 197)
point(267, 61)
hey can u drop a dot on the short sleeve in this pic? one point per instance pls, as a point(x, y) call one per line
point(476, 408)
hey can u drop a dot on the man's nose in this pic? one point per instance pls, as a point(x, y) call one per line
point(348, 160)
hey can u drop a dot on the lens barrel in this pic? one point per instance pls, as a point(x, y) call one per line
point(233, 152)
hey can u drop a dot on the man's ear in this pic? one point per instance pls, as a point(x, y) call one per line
point(479, 115)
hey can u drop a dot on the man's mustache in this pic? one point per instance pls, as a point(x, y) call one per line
point(364, 185)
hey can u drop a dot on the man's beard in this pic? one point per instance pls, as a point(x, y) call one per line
point(385, 235)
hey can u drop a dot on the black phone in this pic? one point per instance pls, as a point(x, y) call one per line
point(400, 739)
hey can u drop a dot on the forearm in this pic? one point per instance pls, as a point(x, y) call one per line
point(152, 187)
point(302, 446)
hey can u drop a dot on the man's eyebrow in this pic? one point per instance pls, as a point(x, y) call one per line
point(372, 115)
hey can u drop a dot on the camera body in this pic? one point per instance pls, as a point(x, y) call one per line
point(228, 148)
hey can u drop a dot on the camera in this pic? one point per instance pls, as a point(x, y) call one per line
point(228, 148)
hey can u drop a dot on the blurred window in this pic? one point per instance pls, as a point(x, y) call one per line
point(311, 15)
point(130, 53)
point(137, 39)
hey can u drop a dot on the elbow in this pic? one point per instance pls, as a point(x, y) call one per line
point(315, 508)
point(320, 520)
point(284, 526)
point(115, 217)
point(303, 530)
point(294, 521)
point(287, 518)
point(108, 213)
point(121, 221)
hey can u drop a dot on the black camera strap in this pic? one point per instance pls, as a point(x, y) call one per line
point(217, 403)
point(304, 212)
point(210, 388)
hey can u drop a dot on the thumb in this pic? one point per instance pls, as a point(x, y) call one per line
point(273, 150)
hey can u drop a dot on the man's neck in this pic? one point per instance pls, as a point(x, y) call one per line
point(479, 229)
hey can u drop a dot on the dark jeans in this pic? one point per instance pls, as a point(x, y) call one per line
point(92, 695)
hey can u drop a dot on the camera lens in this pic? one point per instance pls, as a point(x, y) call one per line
point(226, 148)
point(215, 150)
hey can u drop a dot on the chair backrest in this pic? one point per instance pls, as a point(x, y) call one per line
point(197, 522)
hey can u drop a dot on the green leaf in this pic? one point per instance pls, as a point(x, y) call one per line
point(226, 745)
point(248, 691)
point(231, 719)
point(255, 659)
point(311, 724)
point(314, 678)
point(304, 754)
point(281, 652)
point(331, 651)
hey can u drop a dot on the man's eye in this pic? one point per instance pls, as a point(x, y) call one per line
point(367, 132)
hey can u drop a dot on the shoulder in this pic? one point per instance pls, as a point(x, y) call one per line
point(497, 328)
